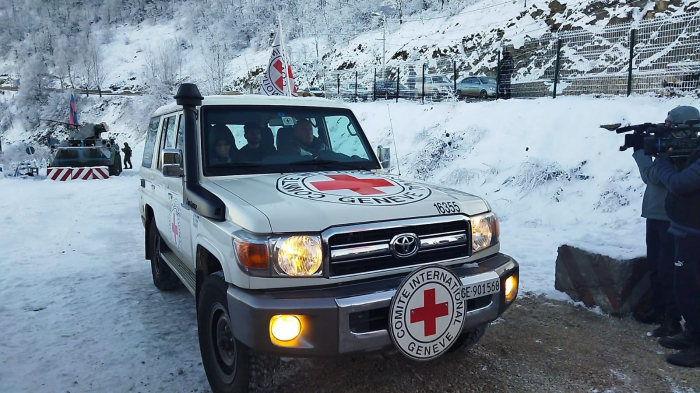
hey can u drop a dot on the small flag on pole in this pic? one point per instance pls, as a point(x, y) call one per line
point(73, 117)
point(278, 80)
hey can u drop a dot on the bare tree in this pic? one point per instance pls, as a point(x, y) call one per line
point(95, 58)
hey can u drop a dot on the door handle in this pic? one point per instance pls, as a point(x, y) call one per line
point(153, 187)
point(170, 195)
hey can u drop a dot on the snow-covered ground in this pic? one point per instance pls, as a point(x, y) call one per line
point(78, 311)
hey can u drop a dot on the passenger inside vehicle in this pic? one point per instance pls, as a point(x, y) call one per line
point(255, 150)
point(223, 145)
point(299, 141)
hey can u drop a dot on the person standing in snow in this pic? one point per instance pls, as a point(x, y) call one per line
point(127, 156)
point(506, 70)
point(683, 208)
point(660, 244)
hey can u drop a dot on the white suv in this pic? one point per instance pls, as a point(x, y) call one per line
point(295, 242)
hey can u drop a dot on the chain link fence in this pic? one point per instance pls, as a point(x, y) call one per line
point(660, 56)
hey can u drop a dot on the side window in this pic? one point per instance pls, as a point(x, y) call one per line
point(344, 137)
point(151, 135)
point(168, 137)
point(180, 133)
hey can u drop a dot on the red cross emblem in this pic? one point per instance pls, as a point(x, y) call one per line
point(173, 227)
point(429, 313)
point(280, 81)
point(347, 182)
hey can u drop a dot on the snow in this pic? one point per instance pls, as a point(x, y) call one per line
point(79, 311)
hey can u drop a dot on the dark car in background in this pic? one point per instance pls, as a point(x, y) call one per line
point(387, 89)
point(477, 86)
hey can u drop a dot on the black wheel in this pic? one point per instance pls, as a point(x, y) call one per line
point(483, 94)
point(468, 339)
point(231, 367)
point(163, 276)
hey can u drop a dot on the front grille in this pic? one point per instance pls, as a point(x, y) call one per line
point(360, 250)
point(378, 319)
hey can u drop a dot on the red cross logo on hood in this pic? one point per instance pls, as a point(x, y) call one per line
point(347, 182)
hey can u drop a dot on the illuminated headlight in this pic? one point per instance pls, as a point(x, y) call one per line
point(299, 256)
point(484, 231)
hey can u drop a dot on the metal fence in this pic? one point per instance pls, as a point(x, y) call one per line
point(660, 56)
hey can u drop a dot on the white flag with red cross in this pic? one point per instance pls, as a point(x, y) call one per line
point(278, 80)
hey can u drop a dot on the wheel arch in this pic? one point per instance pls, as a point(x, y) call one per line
point(207, 261)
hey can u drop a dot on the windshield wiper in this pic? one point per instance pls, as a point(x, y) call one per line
point(326, 162)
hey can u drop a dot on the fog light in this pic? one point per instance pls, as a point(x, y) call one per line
point(511, 288)
point(285, 327)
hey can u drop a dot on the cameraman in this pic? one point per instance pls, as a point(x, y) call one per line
point(683, 208)
point(659, 249)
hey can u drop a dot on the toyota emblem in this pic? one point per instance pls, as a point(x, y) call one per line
point(404, 245)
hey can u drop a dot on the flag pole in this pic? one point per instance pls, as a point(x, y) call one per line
point(288, 90)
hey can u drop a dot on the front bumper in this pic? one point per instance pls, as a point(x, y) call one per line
point(350, 318)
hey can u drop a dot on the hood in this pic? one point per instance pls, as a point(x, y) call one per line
point(313, 202)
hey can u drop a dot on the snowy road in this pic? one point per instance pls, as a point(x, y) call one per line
point(78, 310)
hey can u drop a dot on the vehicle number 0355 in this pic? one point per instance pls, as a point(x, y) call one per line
point(447, 207)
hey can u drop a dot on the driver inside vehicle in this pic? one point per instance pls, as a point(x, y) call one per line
point(222, 142)
point(302, 141)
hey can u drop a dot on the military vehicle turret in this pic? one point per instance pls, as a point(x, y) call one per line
point(85, 147)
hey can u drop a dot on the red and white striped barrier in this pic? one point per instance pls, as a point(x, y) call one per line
point(85, 173)
point(100, 172)
point(59, 174)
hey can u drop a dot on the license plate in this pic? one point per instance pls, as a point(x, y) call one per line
point(480, 289)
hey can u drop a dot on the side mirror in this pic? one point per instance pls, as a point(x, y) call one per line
point(384, 155)
point(172, 163)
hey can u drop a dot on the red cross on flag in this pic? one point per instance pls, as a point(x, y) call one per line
point(278, 80)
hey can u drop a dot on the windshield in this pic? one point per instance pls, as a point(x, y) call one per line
point(254, 139)
point(488, 81)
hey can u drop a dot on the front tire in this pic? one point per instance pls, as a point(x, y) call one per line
point(483, 95)
point(163, 276)
point(468, 339)
point(231, 367)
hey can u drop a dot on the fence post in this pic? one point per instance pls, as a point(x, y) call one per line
point(338, 84)
point(498, 75)
point(556, 68)
point(633, 39)
point(454, 67)
point(422, 86)
point(355, 85)
point(374, 86)
point(398, 78)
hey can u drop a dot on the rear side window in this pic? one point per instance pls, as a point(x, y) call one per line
point(151, 135)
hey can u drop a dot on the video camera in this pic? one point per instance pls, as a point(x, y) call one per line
point(659, 138)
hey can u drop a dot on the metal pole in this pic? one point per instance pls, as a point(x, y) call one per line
point(422, 86)
point(398, 77)
point(454, 67)
point(384, 50)
point(338, 84)
point(498, 76)
point(355, 85)
point(556, 69)
point(633, 39)
point(374, 86)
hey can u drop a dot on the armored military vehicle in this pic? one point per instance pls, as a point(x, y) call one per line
point(85, 147)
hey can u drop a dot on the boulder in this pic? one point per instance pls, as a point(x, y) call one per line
point(617, 286)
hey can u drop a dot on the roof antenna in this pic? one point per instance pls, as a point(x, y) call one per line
point(396, 151)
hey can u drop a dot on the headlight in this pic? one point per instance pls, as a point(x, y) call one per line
point(485, 231)
point(265, 256)
point(299, 256)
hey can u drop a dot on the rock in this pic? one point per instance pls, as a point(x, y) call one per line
point(617, 286)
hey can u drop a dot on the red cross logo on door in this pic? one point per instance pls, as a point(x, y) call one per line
point(429, 313)
point(347, 182)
